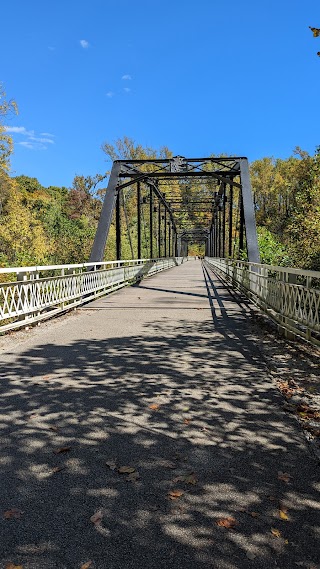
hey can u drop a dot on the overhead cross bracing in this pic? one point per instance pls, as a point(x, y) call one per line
point(180, 200)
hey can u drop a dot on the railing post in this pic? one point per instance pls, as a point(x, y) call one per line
point(21, 278)
point(118, 227)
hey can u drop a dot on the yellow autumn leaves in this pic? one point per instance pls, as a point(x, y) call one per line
point(316, 34)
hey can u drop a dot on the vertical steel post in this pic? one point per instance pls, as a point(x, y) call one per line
point(224, 221)
point(151, 222)
point(248, 212)
point(230, 220)
point(169, 238)
point(159, 229)
point(241, 231)
point(102, 232)
point(219, 232)
point(165, 231)
point(118, 228)
point(139, 218)
point(211, 252)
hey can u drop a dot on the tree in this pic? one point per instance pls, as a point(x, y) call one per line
point(6, 144)
point(316, 34)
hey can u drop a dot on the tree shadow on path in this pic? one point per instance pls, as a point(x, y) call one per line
point(215, 432)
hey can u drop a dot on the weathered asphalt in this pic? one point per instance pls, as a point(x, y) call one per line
point(180, 343)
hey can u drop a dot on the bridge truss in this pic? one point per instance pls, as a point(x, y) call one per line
point(202, 200)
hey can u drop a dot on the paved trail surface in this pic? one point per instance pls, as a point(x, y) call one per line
point(166, 378)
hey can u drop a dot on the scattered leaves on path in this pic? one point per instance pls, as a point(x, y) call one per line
point(228, 523)
point(276, 532)
point(13, 513)
point(111, 464)
point(134, 476)
point(283, 515)
point(126, 470)
point(187, 479)
point(57, 469)
point(284, 477)
point(154, 406)
point(175, 494)
point(97, 518)
point(249, 512)
point(86, 565)
point(61, 450)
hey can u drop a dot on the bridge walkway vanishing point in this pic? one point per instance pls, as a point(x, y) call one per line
point(166, 378)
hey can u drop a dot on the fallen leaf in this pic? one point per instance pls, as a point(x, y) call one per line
point(191, 479)
point(62, 449)
point(126, 469)
point(272, 498)
point(154, 406)
point(228, 523)
point(12, 566)
point(111, 464)
point(134, 476)
point(54, 428)
point(187, 421)
point(97, 517)
point(283, 515)
point(33, 416)
point(275, 532)
point(13, 513)
point(174, 494)
point(57, 469)
point(86, 565)
point(284, 476)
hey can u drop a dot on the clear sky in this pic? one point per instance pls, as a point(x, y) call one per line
point(199, 76)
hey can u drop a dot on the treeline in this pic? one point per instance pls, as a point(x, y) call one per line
point(287, 199)
point(56, 225)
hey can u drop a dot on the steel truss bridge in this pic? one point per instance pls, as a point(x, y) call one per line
point(178, 201)
point(206, 200)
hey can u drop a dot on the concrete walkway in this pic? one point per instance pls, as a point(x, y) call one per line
point(165, 378)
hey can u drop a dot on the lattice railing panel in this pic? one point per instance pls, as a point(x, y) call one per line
point(290, 296)
point(33, 296)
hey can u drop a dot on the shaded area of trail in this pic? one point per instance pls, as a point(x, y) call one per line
point(164, 377)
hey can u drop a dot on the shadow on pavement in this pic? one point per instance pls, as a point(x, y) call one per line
point(218, 418)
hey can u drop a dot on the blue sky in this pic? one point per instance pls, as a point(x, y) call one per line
point(211, 76)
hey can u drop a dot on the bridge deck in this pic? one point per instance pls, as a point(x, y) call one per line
point(166, 378)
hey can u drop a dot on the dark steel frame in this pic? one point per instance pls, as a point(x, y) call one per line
point(218, 237)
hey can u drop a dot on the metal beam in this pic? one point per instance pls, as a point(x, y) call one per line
point(139, 218)
point(97, 251)
point(249, 215)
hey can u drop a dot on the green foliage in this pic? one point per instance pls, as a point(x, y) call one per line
point(287, 199)
point(57, 225)
point(6, 145)
point(272, 252)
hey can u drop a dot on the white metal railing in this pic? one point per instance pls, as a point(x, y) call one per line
point(290, 296)
point(44, 291)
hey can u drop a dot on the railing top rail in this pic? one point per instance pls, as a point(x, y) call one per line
point(37, 268)
point(292, 270)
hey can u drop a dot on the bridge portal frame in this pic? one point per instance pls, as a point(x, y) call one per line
point(224, 170)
